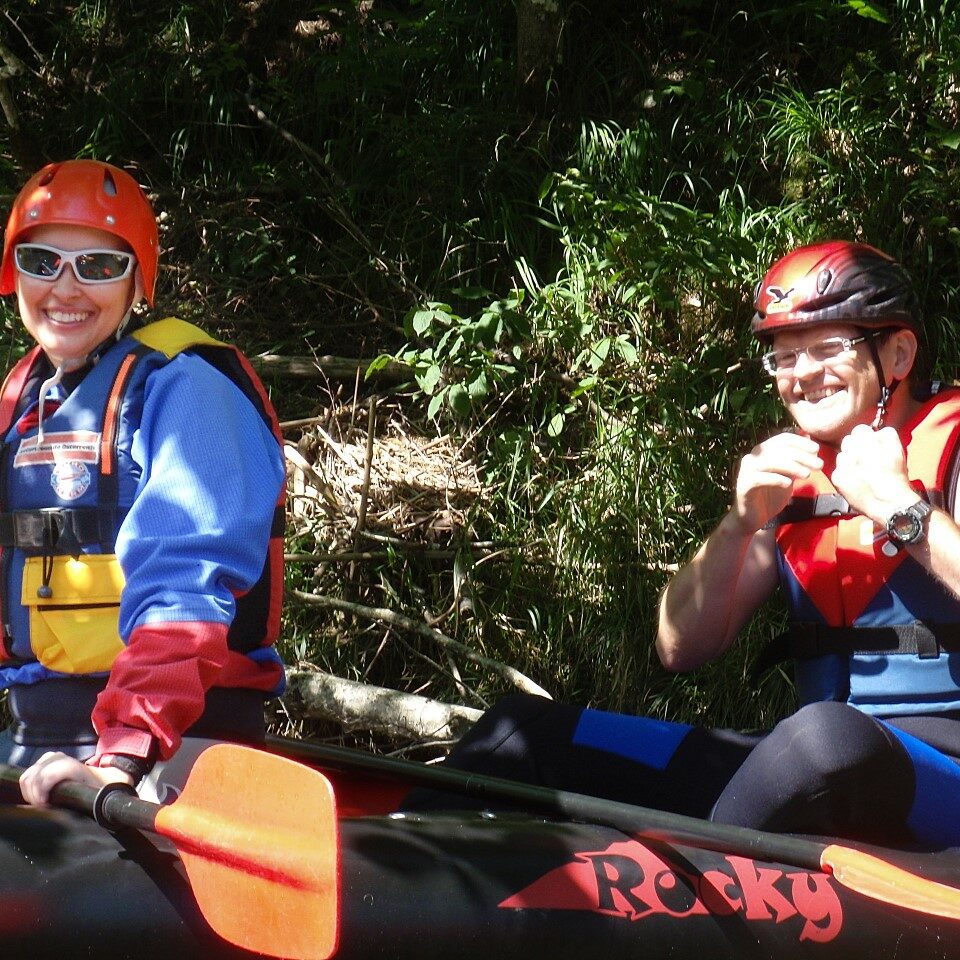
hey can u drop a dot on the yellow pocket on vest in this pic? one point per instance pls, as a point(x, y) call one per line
point(76, 629)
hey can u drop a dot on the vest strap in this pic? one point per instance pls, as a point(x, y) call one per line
point(58, 528)
point(805, 641)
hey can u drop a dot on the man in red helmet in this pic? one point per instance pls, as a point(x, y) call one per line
point(141, 494)
point(851, 514)
point(865, 472)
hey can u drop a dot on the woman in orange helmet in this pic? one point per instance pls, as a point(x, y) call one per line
point(140, 492)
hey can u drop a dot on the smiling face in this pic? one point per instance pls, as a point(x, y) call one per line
point(827, 400)
point(69, 319)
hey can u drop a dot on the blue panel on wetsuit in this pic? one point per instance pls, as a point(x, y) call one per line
point(650, 742)
point(936, 800)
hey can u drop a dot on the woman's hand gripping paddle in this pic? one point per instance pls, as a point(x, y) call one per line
point(257, 835)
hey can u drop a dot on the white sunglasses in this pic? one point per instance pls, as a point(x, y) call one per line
point(42, 262)
point(827, 351)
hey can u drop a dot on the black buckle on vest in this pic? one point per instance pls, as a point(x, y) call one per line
point(812, 508)
point(41, 529)
point(63, 529)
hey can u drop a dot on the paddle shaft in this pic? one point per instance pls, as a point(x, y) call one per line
point(648, 823)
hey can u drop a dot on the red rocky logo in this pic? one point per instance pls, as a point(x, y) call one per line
point(628, 880)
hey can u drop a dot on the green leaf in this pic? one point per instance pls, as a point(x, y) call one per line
point(587, 383)
point(598, 353)
point(627, 350)
point(378, 364)
point(489, 328)
point(429, 379)
point(869, 10)
point(421, 321)
point(546, 185)
point(459, 399)
point(418, 322)
point(555, 426)
point(478, 387)
point(436, 401)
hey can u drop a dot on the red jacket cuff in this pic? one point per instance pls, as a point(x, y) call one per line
point(125, 740)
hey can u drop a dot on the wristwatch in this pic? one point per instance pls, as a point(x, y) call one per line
point(906, 526)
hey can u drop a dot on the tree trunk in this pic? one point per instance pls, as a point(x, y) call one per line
point(539, 26)
point(336, 368)
point(23, 148)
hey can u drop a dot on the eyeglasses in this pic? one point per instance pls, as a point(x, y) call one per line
point(823, 351)
point(90, 266)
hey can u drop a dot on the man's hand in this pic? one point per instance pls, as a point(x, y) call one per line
point(38, 780)
point(871, 473)
point(766, 478)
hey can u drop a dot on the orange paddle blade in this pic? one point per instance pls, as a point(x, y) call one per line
point(883, 881)
point(257, 834)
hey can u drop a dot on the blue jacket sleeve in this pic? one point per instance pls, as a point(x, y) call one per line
point(197, 532)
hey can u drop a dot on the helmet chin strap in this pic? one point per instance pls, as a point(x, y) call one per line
point(886, 392)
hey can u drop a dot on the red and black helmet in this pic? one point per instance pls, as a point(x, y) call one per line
point(835, 282)
point(86, 193)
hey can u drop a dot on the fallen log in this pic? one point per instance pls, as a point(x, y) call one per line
point(359, 706)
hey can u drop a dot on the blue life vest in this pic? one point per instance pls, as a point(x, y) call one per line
point(64, 497)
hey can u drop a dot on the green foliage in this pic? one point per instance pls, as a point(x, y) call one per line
point(481, 353)
point(571, 290)
point(627, 379)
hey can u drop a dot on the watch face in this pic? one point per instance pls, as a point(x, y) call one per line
point(904, 527)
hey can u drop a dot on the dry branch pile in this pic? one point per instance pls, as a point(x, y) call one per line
point(347, 480)
point(369, 494)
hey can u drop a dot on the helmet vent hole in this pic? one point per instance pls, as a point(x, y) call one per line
point(47, 178)
point(109, 185)
point(823, 280)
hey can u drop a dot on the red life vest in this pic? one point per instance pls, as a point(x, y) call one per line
point(876, 627)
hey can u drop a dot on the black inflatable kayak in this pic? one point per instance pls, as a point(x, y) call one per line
point(463, 883)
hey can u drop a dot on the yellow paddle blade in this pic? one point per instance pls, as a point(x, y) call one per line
point(258, 837)
point(883, 881)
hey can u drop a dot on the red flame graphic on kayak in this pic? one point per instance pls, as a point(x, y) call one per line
point(630, 881)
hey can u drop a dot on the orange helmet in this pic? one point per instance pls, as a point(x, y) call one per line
point(85, 193)
point(835, 282)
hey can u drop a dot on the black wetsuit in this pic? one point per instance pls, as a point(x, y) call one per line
point(827, 769)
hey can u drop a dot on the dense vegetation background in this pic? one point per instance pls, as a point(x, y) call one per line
point(555, 213)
